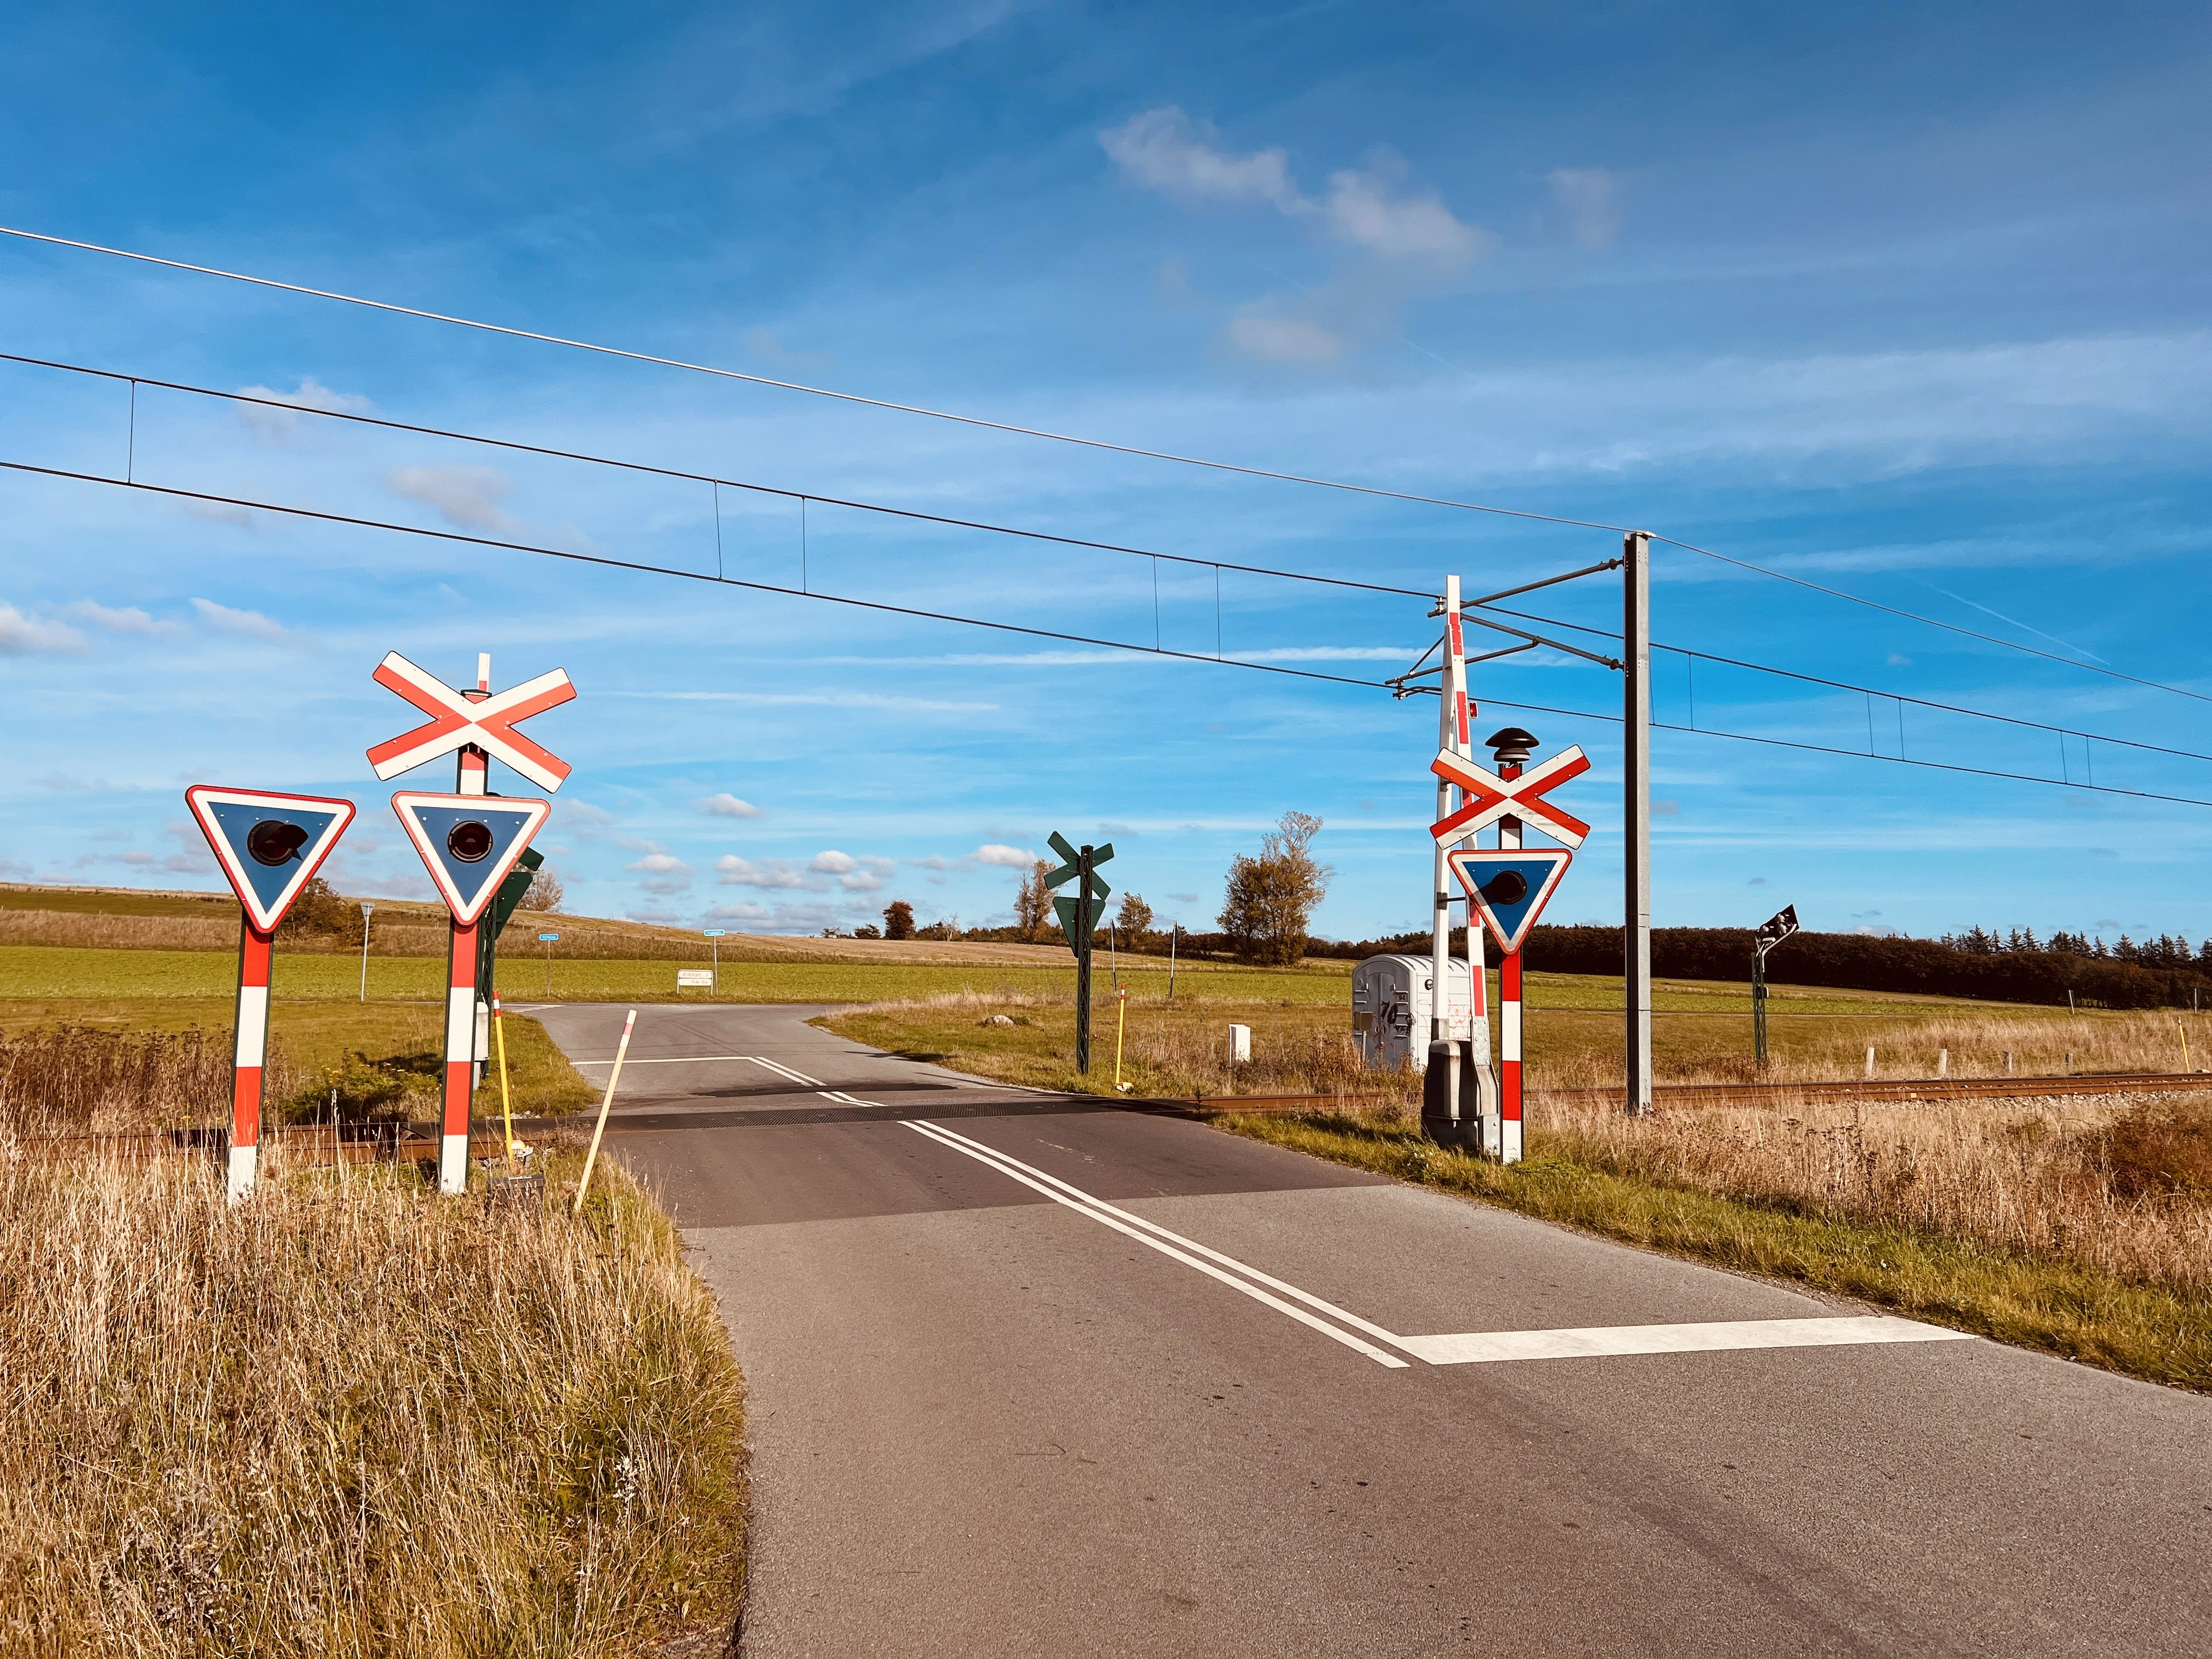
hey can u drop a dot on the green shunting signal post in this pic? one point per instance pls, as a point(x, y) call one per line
point(1079, 915)
point(1776, 928)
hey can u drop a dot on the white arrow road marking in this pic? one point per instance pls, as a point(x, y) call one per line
point(1467, 1348)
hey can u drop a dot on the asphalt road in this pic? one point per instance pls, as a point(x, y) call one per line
point(1027, 1375)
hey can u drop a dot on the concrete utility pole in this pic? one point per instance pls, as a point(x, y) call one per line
point(1440, 884)
point(1636, 785)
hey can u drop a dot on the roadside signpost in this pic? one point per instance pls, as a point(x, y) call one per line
point(368, 910)
point(1772, 932)
point(1508, 885)
point(269, 845)
point(715, 934)
point(549, 940)
point(470, 842)
point(1079, 916)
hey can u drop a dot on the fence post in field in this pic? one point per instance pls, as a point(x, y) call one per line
point(1942, 1062)
point(1869, 1060)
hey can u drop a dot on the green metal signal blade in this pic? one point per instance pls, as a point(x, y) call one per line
point(1057, 842)
point(1100, 854)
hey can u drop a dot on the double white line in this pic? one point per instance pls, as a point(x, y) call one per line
point(1339, 1325)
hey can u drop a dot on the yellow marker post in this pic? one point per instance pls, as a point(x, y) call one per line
point(613, 1077)
point(506, 1106)
point(1120, 1019)
point(2183, 1030)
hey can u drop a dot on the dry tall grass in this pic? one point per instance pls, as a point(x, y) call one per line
point(2120, 1184)
point(77, 1079)
point(351, 1418)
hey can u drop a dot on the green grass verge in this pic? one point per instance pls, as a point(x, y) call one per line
point(46, 973)
point(2059, 1307)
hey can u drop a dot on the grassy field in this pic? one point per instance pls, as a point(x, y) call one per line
point(352, 1419)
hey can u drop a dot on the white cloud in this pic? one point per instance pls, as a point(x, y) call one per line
point(1166, 149)
point(657, 916)
point(834, 863)
point(582, 812)
point(1591, 199)
point(661, 872)
point(745, 912)
point(1284, 339)
point(734, 872)
point(727, 806)
point(1404, 242)
point(127, 619)
point(22, 636)
point(227, 513)
point(855, 875)
point(1004, 857)
point(275, 425)
point(466, 497)
point(251, 623)
point(861, 881)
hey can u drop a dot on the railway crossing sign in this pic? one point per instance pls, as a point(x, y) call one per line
point(269, 844)
point(1079, 916)
point(1490, 797)
point(1510, 885)
point(458, 721)
point(469, 843)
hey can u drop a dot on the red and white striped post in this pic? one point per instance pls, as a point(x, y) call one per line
point(1509, 1006)
point(473, 773)
point(250, 1053)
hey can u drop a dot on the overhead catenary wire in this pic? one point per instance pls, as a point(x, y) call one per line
point(1898, 697)
point(641, 568)
point(1014, 428)
point(1008, 426)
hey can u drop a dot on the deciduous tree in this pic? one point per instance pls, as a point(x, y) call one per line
point(1271, 897)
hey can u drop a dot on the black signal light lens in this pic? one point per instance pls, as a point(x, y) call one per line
point(470, 841)
point(1506, 887)
point(272, 841)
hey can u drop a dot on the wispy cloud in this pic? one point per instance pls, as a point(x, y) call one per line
point(1589, 200)
point(228, 620)
point(22, 636)
point(279, 425)
point(1399, 240)
point(727, 805)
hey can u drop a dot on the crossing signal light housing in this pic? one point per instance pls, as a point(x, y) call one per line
point(1506, 887)
point(273, 842)
point(470, 841)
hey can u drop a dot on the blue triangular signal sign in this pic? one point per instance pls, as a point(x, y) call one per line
point(1510, 886)
point(469, 843)
point(268, 844)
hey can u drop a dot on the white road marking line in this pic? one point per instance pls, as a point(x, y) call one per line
point(1246, 1268)
point(778, 1066)
point(1467, 1347)
point(1106, 1216)
point(671, 1060)
point(1480, 1347)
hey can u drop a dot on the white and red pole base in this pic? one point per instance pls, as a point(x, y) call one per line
point(1509, 1015)
point(249, 1057)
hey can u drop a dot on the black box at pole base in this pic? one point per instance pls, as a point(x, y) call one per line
point(1452, 1098)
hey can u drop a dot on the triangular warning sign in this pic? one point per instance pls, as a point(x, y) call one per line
point(469, 843)
point(1510, 886)
point(268, 844)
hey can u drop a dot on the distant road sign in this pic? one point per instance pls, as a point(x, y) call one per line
point(269, 845)
point(548, 938)
point(456, 722)
point(715, 932)
point(1777, 927)
point(1510, 885)
point(1490, 797)
point(700, 979)
point(469, 843)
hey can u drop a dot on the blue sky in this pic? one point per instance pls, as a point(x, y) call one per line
point(1906, 302)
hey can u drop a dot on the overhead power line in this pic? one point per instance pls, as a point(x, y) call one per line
point(720, 580)
point(1867, 690)
point(1930, 621)
point(796, 385)
point(1056, 437)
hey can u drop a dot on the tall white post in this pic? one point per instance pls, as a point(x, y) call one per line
point(1440, 884)
point(1636, 788)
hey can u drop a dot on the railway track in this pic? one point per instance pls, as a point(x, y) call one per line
point(1837, 1092)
